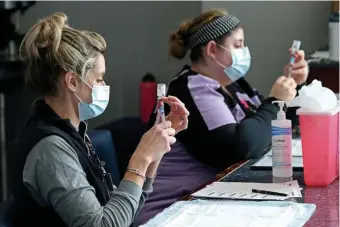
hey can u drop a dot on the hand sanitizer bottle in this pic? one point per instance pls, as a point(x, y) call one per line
point(282, 145)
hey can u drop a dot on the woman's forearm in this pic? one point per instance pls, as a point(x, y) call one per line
point(140, 164)
point(56, 177)
point(152, 170)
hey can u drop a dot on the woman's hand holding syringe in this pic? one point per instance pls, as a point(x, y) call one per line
point(178, 119)
point(295, 47)
point(297, 68)
point(295, 73)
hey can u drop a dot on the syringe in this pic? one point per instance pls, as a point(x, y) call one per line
point(161, 92)
point(295, 47)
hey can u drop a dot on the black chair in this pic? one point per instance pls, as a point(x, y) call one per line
point(7, 213)
point(105, 149)
point(126, 134)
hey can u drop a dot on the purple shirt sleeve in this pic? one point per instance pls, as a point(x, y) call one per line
point(209, 102)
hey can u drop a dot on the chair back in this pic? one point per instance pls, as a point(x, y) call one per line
point(7, 210)
point(103, 144)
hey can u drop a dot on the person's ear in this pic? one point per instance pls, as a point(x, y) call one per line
point(211, 50)
point(71, 81)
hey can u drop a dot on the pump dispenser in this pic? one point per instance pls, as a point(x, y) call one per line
point(281, 115)
point(282, 144)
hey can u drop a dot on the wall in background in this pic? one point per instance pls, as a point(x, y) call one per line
point(137, 34)
point(270, 28)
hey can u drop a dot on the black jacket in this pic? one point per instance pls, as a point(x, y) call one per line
point(45, 122)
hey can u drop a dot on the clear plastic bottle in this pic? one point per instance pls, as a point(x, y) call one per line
point(282, 145)
point(161, 92)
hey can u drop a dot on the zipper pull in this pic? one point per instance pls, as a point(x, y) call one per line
point(109, 181)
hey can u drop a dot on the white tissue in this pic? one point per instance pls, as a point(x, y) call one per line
point(315, 98)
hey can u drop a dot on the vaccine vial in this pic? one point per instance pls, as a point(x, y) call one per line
point(161, 92)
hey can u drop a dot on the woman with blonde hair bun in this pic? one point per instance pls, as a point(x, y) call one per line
point(59, 179)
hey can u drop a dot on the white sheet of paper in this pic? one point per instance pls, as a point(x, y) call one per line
point(296, 187)
point(267, 161)
point(227, 213)
point(220, 214)
point(243, 190)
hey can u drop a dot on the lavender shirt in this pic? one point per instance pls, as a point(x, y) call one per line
point(178, 174)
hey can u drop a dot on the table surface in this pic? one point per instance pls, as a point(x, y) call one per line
point(326, 199)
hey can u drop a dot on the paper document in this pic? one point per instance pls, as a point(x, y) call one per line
point(243, 190)
point(267, 161)
point(296, 148)
point(200, 213)
point(295, 185)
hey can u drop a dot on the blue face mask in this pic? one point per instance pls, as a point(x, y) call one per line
point(100, 100)
point(240, 63)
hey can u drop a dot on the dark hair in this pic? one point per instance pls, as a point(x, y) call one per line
point(179, 40)
point(148, 77)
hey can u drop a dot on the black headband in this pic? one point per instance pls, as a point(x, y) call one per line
point(213, 30)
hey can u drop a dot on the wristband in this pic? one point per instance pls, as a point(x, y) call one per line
point(136, 171)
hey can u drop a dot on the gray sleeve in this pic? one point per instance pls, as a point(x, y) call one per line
point(147, 190)
point(55, 177)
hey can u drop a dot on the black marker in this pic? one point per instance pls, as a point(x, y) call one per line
point(268, 192)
